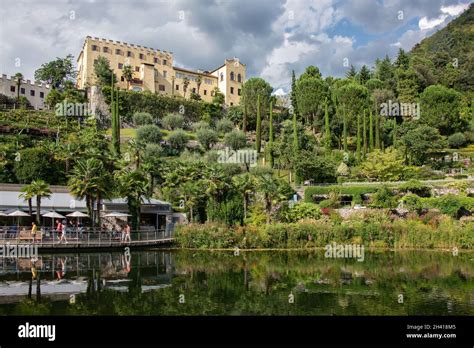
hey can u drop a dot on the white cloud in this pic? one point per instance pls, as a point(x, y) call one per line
point(425, 23)
point(454, 10)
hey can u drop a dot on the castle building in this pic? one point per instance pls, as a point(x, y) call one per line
point(35, 92)
point(153, 71)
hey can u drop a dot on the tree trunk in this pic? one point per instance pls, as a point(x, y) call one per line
point(38, 209)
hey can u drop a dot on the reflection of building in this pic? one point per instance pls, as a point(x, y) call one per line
point(35, 92)
point(154, 212)
point(153, 71)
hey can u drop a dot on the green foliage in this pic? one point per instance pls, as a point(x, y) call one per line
point(57, 72)
point(456, 140)
point(224, 126)
point(315, 168)
point(419, 141)
point(253, 88)
point(149, 134)
point(35, 163)
point(384, 198)
point(178, 139)
point(300, 211)
point(236, 140)
point(207, 137)
point(103, 71)
point(173, 121)
point(412, 202)
point(200, 125)
point(415, 187)
point(311, 93)
point(142, 119)
point(229, 212)
point(382, 166)
point(442, 108)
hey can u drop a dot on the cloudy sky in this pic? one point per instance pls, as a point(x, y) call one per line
point(271, 36)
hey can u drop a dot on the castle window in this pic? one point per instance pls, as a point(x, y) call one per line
point(177, 87)
point(137, 69)
point(142, 56)
point(22, 90)
point(122, 78)
point(194, 90)
point(95, 48)
point(105, 50)
point(118, 51)
point(165, 62)
point(155, 60)
point(41, 94)
point(129, 53)
point(120, 65)
point(232, 76)
point(32, 93)
point(231, 90)
point(205, 92)
point(239, 91)
point(161, 88)
point(239, 78)
point(12, 88)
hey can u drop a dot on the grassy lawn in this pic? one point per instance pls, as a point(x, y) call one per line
point(124, 132)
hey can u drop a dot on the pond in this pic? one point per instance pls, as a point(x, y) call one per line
point(184, 282)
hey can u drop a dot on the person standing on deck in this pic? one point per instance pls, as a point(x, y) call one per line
point(127, 233)
point(63, 233)
point(34, 229)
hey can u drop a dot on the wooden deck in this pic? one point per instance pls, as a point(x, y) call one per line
point(92, 241)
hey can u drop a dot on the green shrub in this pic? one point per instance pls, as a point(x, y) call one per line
point(200, 125)
point(456, 140)
point(207, 137)
point(412, 202)
point(173, 121)
point(384, 198)
point(235, 139)
point(416, 187)
point(149, 134)
point(224, 126)
point(142, 118)
point(301, 211)
point(178, 139)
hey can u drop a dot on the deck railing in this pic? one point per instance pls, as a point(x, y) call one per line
point(84, 236)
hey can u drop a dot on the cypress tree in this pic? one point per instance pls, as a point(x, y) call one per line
point(394, 139)
point(364, 131)
point(294, 103)
point(377, 131)
point(295, 145)
point(244, 121)
point(344, 129)
point(258, 140)
point(358, 138)
point(117, 125)
point(270, 140)
point(371, 132)
point(327, 137)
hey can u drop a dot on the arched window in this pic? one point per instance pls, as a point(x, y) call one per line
point(239, 78)
point(232, 77)
point(222, 77)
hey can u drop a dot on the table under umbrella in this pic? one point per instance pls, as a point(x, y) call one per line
point(18, 214)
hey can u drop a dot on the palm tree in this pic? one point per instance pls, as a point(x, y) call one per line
point(18, 77)
point(274, 191)
point(185, 85)
point(134, 185)
point(245, 183)
point(40, 189)
point(86, 181)
point(198, 82)
point(127, 74)
point(27, 195)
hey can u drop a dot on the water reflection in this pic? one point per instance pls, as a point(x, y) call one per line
point(222, 283)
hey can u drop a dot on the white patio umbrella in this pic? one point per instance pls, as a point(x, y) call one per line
point(53, 215)
point(78, 215)
point(3, 214)
point(116, 214)
point(18, 213)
